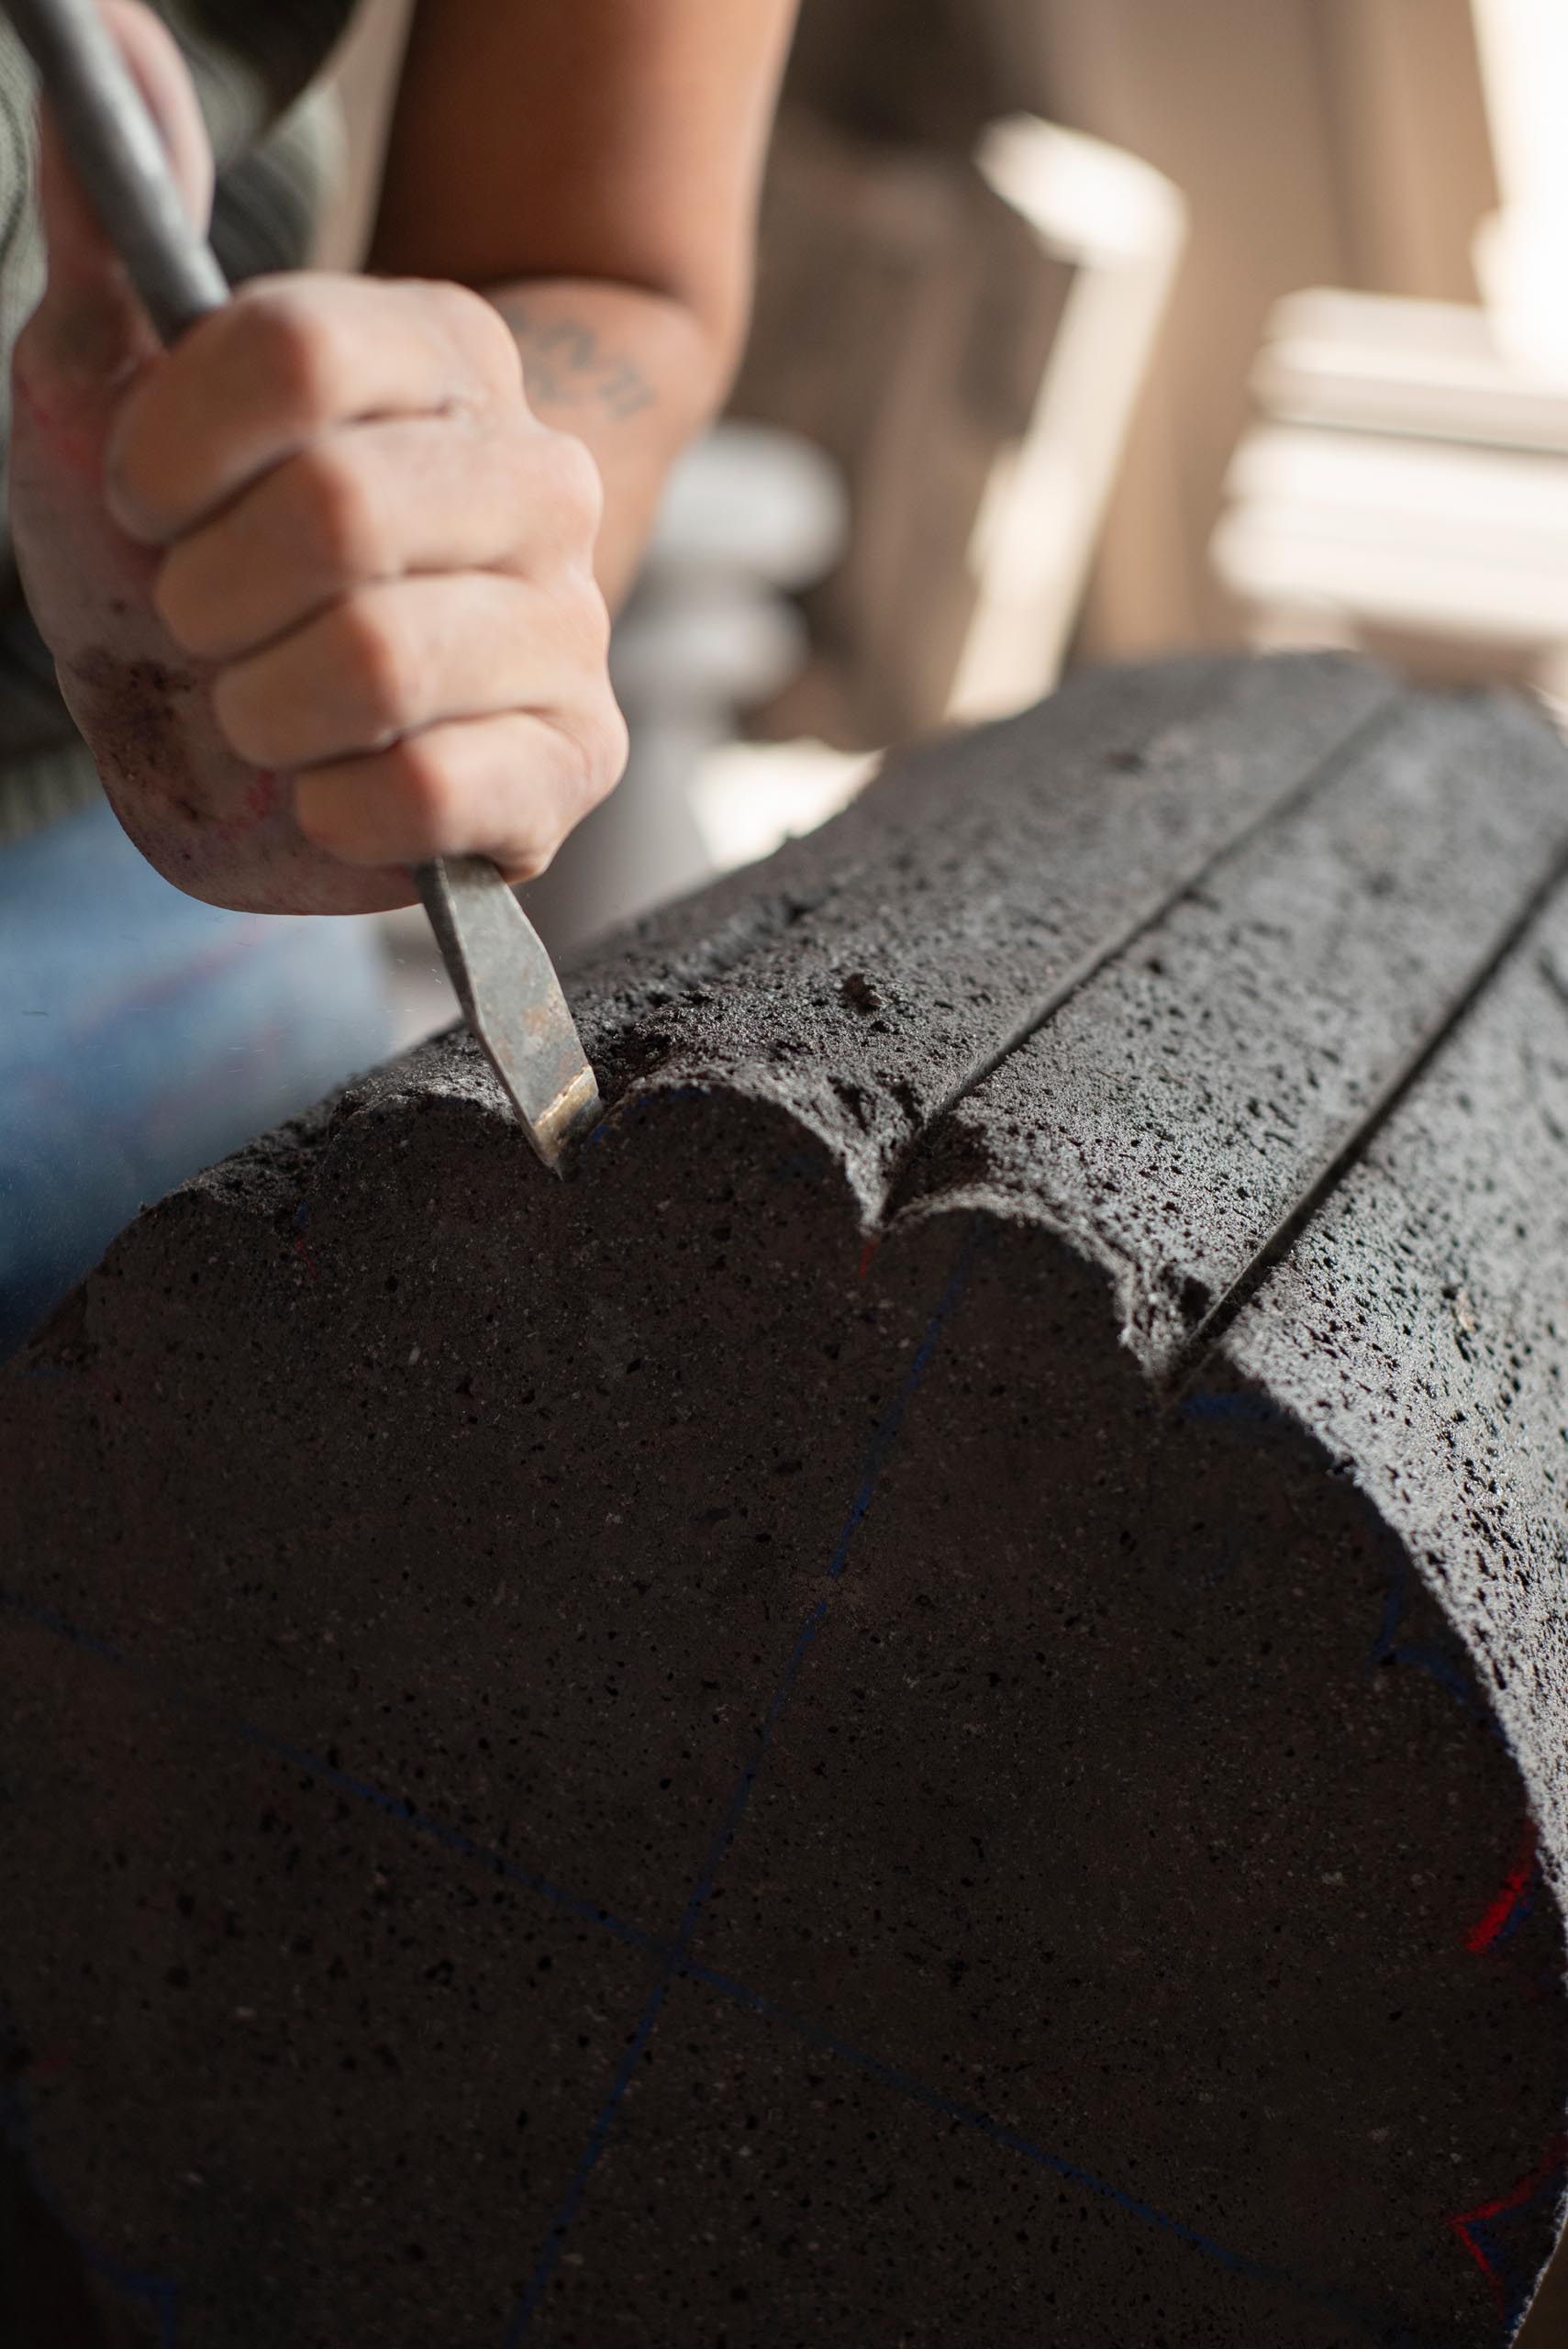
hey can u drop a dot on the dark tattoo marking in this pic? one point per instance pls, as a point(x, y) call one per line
point(564, 365)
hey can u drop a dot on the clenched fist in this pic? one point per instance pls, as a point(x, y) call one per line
point(318, 584)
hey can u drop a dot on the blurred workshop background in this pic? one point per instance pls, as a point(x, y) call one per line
point(1087, 329)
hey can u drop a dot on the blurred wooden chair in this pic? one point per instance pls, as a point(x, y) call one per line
point(966, 337)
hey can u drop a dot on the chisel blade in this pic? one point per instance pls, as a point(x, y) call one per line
point(513, 1002)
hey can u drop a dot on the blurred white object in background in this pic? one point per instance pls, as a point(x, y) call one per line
point(1446, 540)
point(1520, 251)
point(754, 498)
point(1374, 362)
point(749, 797)
point(1410, 481)
point(1408, 489)
point(1123, 228)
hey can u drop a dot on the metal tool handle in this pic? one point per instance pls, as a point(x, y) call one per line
point(121, 159)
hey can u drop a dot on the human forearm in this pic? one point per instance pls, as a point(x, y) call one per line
point(593, 167)
point(632, 374)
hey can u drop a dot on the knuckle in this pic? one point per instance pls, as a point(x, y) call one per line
point(378, 661)
point(291, 348)
point(592, 614)
point(536, 776)
point(604, 742)
point(576, 487)
point(527, 863)
point(183, 600)
point(136, 466)
point(422, 776)
point(617, 744)
point(245, 719)
point(479, 332)
point(343, 518)
point(580, 625)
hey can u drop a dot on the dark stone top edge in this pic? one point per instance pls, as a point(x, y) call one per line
point(623, 989)
point(1417, 1318)
point(701, 992)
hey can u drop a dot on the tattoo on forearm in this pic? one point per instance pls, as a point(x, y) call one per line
point(565, 365)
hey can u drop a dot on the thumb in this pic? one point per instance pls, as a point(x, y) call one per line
point(89, 322)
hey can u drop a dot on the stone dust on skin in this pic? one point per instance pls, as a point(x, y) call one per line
point(203, 816)
point(139, 705)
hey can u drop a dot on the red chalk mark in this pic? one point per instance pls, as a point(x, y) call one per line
point(1461, 2227)
point(257, 804)
point(1547, 2173)
point(81, 451)
point(1488, 1930)
point(310, 1259)
point(867, 1252)
point(261, 800)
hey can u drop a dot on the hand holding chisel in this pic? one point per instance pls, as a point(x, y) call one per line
point(502, 974)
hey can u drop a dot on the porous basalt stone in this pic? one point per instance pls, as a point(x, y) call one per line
point(927, 1705)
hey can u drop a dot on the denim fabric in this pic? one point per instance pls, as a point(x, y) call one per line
point(144, 1036)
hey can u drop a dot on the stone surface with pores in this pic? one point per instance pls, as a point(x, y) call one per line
point(926, 1705)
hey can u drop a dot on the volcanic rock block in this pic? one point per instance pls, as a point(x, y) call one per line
point(929, 1705)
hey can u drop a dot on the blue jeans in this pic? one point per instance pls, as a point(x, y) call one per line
point(144, 1036)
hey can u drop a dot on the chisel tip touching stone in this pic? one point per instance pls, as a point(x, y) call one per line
point(512, 1000)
